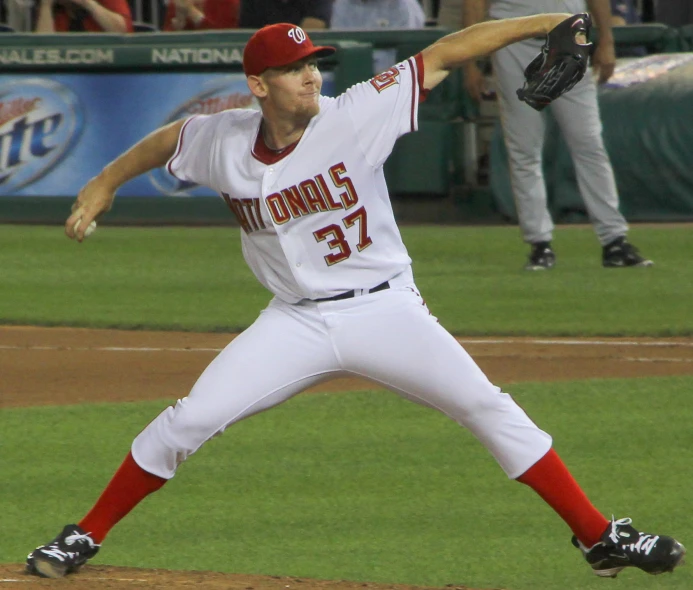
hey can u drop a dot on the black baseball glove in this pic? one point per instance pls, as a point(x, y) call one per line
point(560, 65)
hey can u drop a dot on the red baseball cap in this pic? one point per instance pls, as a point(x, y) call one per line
point(279, 45)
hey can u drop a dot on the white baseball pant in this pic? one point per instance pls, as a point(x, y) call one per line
point(389, 337)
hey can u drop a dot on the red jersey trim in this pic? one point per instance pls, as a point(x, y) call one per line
point(423, 93)
point(179, 149)
point(267, 155)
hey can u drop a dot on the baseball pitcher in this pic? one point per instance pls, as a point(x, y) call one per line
point(304, 177)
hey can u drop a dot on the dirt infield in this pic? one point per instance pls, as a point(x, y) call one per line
point(102, 577)
point(43, 366)
point(67, 366)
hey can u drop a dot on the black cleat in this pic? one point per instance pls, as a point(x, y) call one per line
point(541, 257)
point(621, 253)
point(64, 555)
point(622, 546)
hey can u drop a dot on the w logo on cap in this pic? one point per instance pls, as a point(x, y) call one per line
point(274, 46)
point(297, 34)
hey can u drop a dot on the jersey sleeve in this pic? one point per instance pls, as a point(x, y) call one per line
point(386, 107)
point(193, 156)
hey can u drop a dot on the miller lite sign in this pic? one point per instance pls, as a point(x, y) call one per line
point(229, 93)
point(40, 121)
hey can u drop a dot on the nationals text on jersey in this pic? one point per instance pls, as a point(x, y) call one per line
point(312, 195)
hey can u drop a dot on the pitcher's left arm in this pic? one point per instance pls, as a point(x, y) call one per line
point(453, 50)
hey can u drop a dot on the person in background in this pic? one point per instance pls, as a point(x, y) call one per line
point(19, 15)
point(577, 115)
point(624, 12)
point(93, 16)
point(450, 14)
point(308, 14)
point(378, 14)
point(198, 15)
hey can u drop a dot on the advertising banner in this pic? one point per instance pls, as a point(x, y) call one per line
point(59, 130)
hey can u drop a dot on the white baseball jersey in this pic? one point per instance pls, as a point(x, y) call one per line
point(316, 218)
point(317, 222)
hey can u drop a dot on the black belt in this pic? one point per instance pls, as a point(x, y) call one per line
point(352, 293)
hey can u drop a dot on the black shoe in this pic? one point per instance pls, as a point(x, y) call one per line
point(541, 257)
point(620, 253)
point(64, 555)
point(622, 546)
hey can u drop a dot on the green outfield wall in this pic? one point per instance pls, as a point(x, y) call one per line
point(68, 102)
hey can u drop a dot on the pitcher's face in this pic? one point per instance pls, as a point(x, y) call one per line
point(294, 89)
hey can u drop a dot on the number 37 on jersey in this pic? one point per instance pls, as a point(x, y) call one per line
point(311, 196)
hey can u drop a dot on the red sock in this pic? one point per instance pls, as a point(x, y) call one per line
point(130, 485)
point(550, 478)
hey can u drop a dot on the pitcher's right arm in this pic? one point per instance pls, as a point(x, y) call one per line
point(96, 197)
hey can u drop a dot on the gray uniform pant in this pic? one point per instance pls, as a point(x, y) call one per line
point(577, 114)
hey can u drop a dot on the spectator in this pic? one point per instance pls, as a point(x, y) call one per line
point(378, 14)
point(148, 15)
point(308, 14)
point(94, 16)
point(624, 12)
point(449, 14)
point(19, 15)
point(191, 15)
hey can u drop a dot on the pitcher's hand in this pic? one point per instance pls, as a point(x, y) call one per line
point(95, 199)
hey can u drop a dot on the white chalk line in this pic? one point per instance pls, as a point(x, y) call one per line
point(110, 348)
point(519, 342)
point(656, 360)
point(86, 578)
point(117, 579)
point(534, 341)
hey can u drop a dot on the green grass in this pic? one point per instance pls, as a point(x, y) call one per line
point(363, 486)
point(195, 279)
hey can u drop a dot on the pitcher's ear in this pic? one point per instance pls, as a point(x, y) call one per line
point(257, 86)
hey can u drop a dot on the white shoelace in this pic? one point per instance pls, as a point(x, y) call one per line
point(613, 535)
point(644, 544)
point(76, 537)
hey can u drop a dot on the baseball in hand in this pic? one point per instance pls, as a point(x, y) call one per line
point(91, 228)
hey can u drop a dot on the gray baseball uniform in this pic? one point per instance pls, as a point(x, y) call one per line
point(577, 114)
